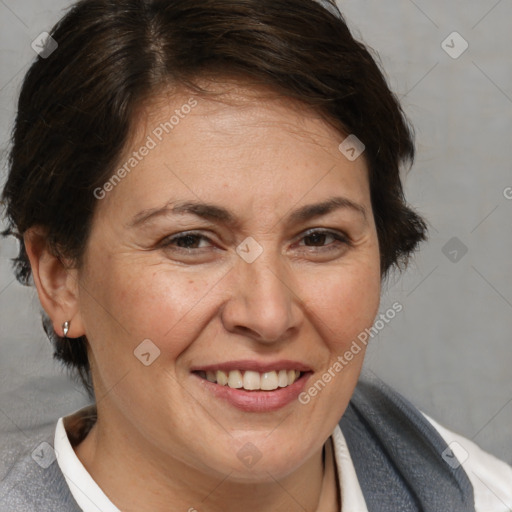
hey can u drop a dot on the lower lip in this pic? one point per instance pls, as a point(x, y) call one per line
point(257, 401)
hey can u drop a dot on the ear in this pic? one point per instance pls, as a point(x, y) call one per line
point(56, 283)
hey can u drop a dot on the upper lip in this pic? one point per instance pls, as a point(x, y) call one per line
point(255, 366)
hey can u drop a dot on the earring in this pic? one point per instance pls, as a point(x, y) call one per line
point(65, 328)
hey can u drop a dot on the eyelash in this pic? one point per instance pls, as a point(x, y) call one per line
point(340, 238)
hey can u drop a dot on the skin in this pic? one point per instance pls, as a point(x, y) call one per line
point(161, 441)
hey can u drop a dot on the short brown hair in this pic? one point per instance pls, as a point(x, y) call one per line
point(76, 108)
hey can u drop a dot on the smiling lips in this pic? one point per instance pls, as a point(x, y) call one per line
point(254, 386)
point(253, 375)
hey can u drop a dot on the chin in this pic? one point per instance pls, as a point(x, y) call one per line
point(259, 460)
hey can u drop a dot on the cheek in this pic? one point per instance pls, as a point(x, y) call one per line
point(346, 302)
point(135, 301)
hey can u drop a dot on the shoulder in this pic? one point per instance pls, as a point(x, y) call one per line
point(491, 477)
point(392, 440)
point(31, 477)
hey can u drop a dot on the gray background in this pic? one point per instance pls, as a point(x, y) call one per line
point(449, 350)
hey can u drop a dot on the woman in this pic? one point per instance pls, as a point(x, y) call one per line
point(208, 198)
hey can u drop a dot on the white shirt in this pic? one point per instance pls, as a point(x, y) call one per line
point(491, 477)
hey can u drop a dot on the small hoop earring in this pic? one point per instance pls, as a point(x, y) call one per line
point(65, 328)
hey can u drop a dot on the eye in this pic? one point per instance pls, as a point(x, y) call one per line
point(185, 241)
point(319, 237)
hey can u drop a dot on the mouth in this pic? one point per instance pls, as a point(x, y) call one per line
point(250, 380)
point(252, 386)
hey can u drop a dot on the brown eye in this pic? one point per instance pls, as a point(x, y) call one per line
point(186, 241)
point(324, 239)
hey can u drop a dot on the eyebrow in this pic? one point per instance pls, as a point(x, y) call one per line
point(216, 213)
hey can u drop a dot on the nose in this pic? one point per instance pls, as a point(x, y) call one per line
point(263, 303)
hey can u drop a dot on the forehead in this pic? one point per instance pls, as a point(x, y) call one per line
point(244, 142)
point(232, 105)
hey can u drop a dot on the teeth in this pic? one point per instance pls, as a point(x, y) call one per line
point(235, 379)
point(222, 378)
point(251, 380)
point(269, 381)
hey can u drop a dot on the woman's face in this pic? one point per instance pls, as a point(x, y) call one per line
point(239, 239)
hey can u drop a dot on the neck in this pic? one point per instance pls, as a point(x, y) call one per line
point(150, 482)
